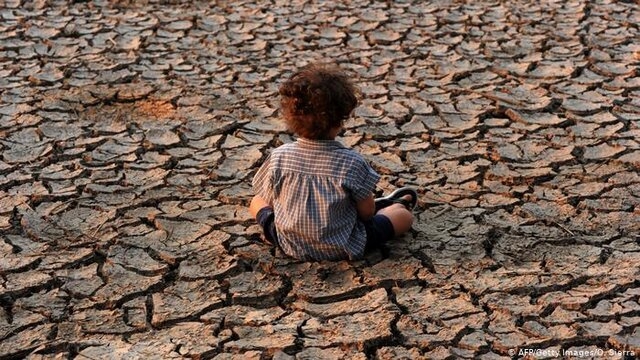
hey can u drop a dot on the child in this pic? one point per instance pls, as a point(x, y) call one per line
point(314, 197)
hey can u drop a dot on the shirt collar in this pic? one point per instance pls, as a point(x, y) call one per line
point(319, 144)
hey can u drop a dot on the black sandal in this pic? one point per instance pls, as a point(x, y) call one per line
point(396, 197)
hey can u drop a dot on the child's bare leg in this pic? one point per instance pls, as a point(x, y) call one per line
point(257, 203)
point(401, 218)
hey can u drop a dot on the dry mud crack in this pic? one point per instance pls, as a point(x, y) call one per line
point(129, 132)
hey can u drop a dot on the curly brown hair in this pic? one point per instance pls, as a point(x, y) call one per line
point(316, 99)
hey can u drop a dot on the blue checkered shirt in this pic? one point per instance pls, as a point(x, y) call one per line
point(313, 186)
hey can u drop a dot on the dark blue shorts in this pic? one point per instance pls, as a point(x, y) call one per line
point(379, 229)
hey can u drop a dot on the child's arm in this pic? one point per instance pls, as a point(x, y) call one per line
point(366, 208)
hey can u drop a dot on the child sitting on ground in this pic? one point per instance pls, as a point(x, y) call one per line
point(315, 197)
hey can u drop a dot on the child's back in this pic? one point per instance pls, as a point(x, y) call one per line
point(313, 186)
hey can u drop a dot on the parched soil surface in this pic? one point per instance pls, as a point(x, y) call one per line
point(130, 131)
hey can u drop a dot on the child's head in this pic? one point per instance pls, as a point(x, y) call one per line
point(316, 100)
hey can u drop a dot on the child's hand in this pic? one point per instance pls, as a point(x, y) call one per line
point(366, 208)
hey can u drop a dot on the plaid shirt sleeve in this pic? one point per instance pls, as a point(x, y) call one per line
point(363, 180)
point(263, 181)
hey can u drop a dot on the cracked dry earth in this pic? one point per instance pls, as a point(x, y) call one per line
point(130, 132)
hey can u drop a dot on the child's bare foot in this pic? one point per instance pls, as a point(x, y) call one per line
point(408, 202)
